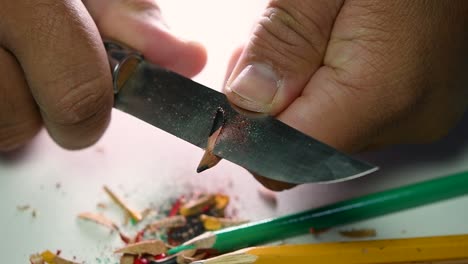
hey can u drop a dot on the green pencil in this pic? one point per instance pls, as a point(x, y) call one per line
point(340, 213)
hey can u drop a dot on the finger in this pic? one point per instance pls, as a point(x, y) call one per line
point(373, 89)
point(65, 64)
point(232, 62)
point(139, 24)
point(286, 48)
point(19, 117)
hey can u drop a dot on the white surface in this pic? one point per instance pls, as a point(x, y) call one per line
point(152, 166)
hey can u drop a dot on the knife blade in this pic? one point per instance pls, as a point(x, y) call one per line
point(189, 110)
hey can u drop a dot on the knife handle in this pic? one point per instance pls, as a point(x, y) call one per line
point(123, 62)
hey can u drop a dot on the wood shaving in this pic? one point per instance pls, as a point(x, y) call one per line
point(49, 258)
point(196, 206)
point(168, 222)
point(34, 213)
point(189, 256)
point(127, 259)
point(152, 247)
point(212, 223)
point(23, 208)
point(358, 233)
point(148, 212)
point(36, 259)
point(221, 201)
point(135, 215)
point(99, 219)
point(101, 206)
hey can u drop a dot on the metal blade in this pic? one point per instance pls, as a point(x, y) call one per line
point(260, 144)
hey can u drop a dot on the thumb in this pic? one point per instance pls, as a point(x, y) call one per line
point(287, 46)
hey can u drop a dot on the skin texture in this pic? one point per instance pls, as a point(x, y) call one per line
point(54, 68)
point(357, 74)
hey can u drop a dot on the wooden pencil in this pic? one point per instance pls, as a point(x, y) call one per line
point(353, 210)
point(441, 249)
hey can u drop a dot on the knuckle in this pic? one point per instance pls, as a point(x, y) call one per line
point(290, 37)
point(81, 102)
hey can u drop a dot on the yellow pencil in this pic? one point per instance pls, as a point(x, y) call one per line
point(440, 250)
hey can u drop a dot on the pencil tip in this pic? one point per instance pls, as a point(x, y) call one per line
point(202, 168)
point(209, 160)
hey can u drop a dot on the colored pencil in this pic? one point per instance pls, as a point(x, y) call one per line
point(442, 249)
point(353, 210)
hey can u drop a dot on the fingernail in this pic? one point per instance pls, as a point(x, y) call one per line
point(255, 87)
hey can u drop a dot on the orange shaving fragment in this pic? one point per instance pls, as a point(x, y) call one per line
point(99, 219)
point(196, 206)
point(135, 215)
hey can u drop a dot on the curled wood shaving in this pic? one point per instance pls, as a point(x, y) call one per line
point(221, 201)
point(358, 233)
point(99, 219)
point(152, 247)
point(168, 222)
point(135, 215)
point(36, 259)
point(196, 206)
point(49, 258)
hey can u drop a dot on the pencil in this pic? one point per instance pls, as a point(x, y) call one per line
point(442, 249)
point(353, 210)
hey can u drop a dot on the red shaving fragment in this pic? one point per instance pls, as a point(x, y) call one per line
point(160, 256)
point(316, 232)
point(139, 236)
point(140, 261)
point(176, 207)
point(124, 238)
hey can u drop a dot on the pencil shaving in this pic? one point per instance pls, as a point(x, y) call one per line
point(189, 256)
point(36, 259)
point(99, 219)
point(358, 233)
point(168, 222)
point(127, 259)
point(212, 223)
point(23, 208)
point(51, 258)
point(135, 215)
point(196, 206)
point(152, 247)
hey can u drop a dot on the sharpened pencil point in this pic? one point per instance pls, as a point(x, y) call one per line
point(202, 168)
point(208, 161)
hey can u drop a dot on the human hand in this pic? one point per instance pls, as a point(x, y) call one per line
point(356, 74)
point(54, 69)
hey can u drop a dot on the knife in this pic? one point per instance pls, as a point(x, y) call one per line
point(205, 118)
